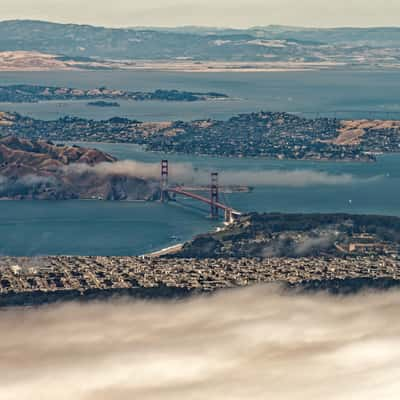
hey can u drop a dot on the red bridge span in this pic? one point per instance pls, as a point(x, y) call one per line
point(213, 201)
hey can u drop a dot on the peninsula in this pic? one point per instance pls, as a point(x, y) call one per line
point(40, 170)
point(276, 135)
point(299, 235)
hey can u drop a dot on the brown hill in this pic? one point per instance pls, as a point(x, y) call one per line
point(42, 170)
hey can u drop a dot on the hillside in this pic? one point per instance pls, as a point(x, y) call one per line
point(39, 169)
point(263, 134)
point(300, 235)
point(84, 46)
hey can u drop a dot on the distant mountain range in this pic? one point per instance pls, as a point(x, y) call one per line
point(83, 43)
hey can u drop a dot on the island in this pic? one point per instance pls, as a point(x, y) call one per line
point(276, 135)
point(35, 93)
point(102, 103)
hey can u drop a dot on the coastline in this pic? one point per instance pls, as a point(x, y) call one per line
point(142, 147)
point(28, 62)
point(166, 251)
point(173, 249)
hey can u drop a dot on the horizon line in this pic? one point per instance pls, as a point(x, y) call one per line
point(203, 26)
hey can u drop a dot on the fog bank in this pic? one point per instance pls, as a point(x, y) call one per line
point(249, 344)
point(185, 173)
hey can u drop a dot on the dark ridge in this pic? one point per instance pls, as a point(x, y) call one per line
point(336, 287)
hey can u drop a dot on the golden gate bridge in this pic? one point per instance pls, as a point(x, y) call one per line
point(213, 201)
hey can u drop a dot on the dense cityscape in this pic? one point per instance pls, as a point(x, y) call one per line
point(335, 252)
point(25, 281)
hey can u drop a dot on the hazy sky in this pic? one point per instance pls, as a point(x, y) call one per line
point(235, 13)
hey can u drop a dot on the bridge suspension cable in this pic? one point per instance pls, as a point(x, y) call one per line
point(214, 200)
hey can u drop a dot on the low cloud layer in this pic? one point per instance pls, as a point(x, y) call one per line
point(312, 244)
point(294, 178)
point(251, 344)
point(27, 181)
point(286, 246)
point(132, 169)
point(186, 173)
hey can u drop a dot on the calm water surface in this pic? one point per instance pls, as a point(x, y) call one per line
point(324, 91)
point(122, 228)
point(112, 228)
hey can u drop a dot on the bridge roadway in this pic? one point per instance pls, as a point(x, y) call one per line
point(227, 209)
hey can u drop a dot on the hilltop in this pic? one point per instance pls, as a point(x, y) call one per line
point(300, 235)
point(68, 46)
point(39, 169)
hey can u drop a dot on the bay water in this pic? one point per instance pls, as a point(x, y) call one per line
point(133, 228)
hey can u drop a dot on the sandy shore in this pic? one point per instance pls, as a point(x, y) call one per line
point(168, 250)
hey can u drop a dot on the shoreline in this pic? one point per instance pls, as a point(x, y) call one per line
point(165, 251)
point(215, 156)
point(173, 249)
point(194, 68)
point(205, 70)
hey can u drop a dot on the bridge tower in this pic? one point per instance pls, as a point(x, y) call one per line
point(214, 195)
point(164, 181)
